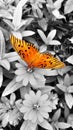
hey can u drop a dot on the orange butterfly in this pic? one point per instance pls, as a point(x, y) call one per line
point(31, 55)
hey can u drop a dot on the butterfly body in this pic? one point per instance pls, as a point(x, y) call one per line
point(31, 55)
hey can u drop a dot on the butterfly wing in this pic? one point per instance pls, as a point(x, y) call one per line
point(46, 60)
point(26, 51)
point(30, 54)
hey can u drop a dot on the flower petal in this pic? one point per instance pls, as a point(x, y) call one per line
point(5, 120)
point(27, 33)
point(5, 63)
point(25, 81)
point(12, 56)
point(42, 35)
point(46, 125)
point(51, 35)
point(54, 42)
point(20, 71)
point(44, 114)
point(69, 100)
point(40, 117)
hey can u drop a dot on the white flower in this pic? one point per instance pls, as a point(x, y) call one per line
point(67, 87)
point(33, 76)
point(54, 8)
point(9, 111)
point(49, 39)
point(36, 107)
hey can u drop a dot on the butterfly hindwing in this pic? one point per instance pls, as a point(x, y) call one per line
point(46, 60)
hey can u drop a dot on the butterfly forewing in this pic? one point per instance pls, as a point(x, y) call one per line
point(27, 51)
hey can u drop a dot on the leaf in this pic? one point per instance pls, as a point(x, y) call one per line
point(22, 23)
point(70, 120)
point(66, 111)
point(50, 4)
point(11, 87)
point(5, 33)
point(47, 89)
point(22, 3)
point(8, 75)
point(42, 35)
point(27, 33)
point(46, 125)
point(49, 72)
point(29, 20)
point(57, 14)
point(68, 8)
point(67, 80)
point(60, 79)
point(64, 70)
point(18, 13)
point(5, 63)
point(39, 13)
point(70, 89)
point(70, 59)
point(57, 4)
point(24, 90)
point(63, 125)
point(2, 45)
point(9, 23)
point(17, 16)
point(71, 79)
point(5, 14)
point(28, 125)
point(1, 76)
point(69, 100)
point(57, 114)
point(71, 40)
point(10, 1)
point(62, 87)
point(43, 24)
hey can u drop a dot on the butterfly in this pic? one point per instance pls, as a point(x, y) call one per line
point(33, 57)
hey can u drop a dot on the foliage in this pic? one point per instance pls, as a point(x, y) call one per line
point(40, 98)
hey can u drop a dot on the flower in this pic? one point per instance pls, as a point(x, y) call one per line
point(6, 8)
point(33, 76)
point(17, 22)
point(36, 107)
point(49, 39)
point(36, 7)
point(54, 8)
point(9, 112)
point(66, 86)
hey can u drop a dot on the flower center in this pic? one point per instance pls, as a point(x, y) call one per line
point(29, 70)
point(36, 107)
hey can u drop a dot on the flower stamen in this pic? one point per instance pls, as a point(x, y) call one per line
point(36, 107)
